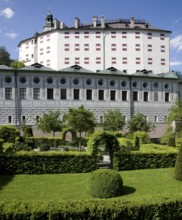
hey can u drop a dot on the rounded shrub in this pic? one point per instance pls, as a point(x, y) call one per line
point(105, 183)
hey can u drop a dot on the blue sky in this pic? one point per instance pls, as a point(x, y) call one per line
point(20, 19)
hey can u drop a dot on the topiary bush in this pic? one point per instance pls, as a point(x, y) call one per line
point(143, 137)
point(105, 183)
point(178, 165)
point(126, 145)
point(9, 133)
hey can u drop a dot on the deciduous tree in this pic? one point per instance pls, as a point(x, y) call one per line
point(80, 119)
point(140, 123)
point(113, 120)
point(50, 122)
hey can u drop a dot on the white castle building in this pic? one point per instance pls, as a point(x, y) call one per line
point(120, 64)
point(126, 44)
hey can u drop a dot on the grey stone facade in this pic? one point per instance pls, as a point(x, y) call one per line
point(27, 93)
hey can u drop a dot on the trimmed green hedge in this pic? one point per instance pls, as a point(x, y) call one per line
point(45, 162)
point(112, 209)
point(137, 160)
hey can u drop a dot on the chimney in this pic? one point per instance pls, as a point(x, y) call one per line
point(62, 26)
point(95, 21)
point(132, 22)
point(56, 24)
point(102, 21)
point(77, 22)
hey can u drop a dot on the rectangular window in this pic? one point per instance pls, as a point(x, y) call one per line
point(77, 47)
point(113, 34)
point(98, 47)
point(86, 47)
point(101, 95)
point(23, 119)
point(135, 96)
point(124, 47)
point(76, 94)
point(125, 60)
point(163, 61)
point(112, 95)
point(66, 60)
point(156, 119)
point(66, 34)
point(166, 96)
point(86, 34)
point(137, 47)
point(124, 35)
point(89, 94)
point(22, 93)
point(8, 93)
point(98, 60)
point(113, 60)
point(124, 95)
point(50, 94)
point(137, 35)
point(162, 36)
point(77, 34)
point(150, 61)
point(9, 120)
point(145, 96)
point(162, 48)
point(149, 35)
point(77, 60)
point(113, 47)
point(149, 47)
point(86, 60)
point(137, 60)
point(155, 96)
point(63, 94)
point(36, 93)
point(97, 34)
point(66, 47)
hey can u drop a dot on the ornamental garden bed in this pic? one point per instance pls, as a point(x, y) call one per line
point(149, 194)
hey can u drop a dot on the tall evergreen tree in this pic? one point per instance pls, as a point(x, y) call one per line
point(4, 57)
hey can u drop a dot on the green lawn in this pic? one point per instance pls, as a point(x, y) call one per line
point(56, 187)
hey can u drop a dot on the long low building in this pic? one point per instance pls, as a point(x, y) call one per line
point(28, 92)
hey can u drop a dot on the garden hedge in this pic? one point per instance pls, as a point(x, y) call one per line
point(42, 162)
point(137, 160)
point(112, 209)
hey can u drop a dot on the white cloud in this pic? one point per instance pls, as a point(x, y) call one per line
point(175, 63)
point(11, 35)
point(7, 13)
point(176, 42)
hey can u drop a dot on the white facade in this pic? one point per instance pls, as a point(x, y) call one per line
point(127, 45)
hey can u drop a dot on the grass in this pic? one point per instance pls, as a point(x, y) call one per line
point(56, 187)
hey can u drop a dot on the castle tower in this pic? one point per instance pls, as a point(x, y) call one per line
point(49, 24)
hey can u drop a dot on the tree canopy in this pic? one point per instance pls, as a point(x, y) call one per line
point(50, 122)
point(113, 120)
point(17, 64)
point(4, 57)
point(80, 119)
point(175, 112)
point(140, 123)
